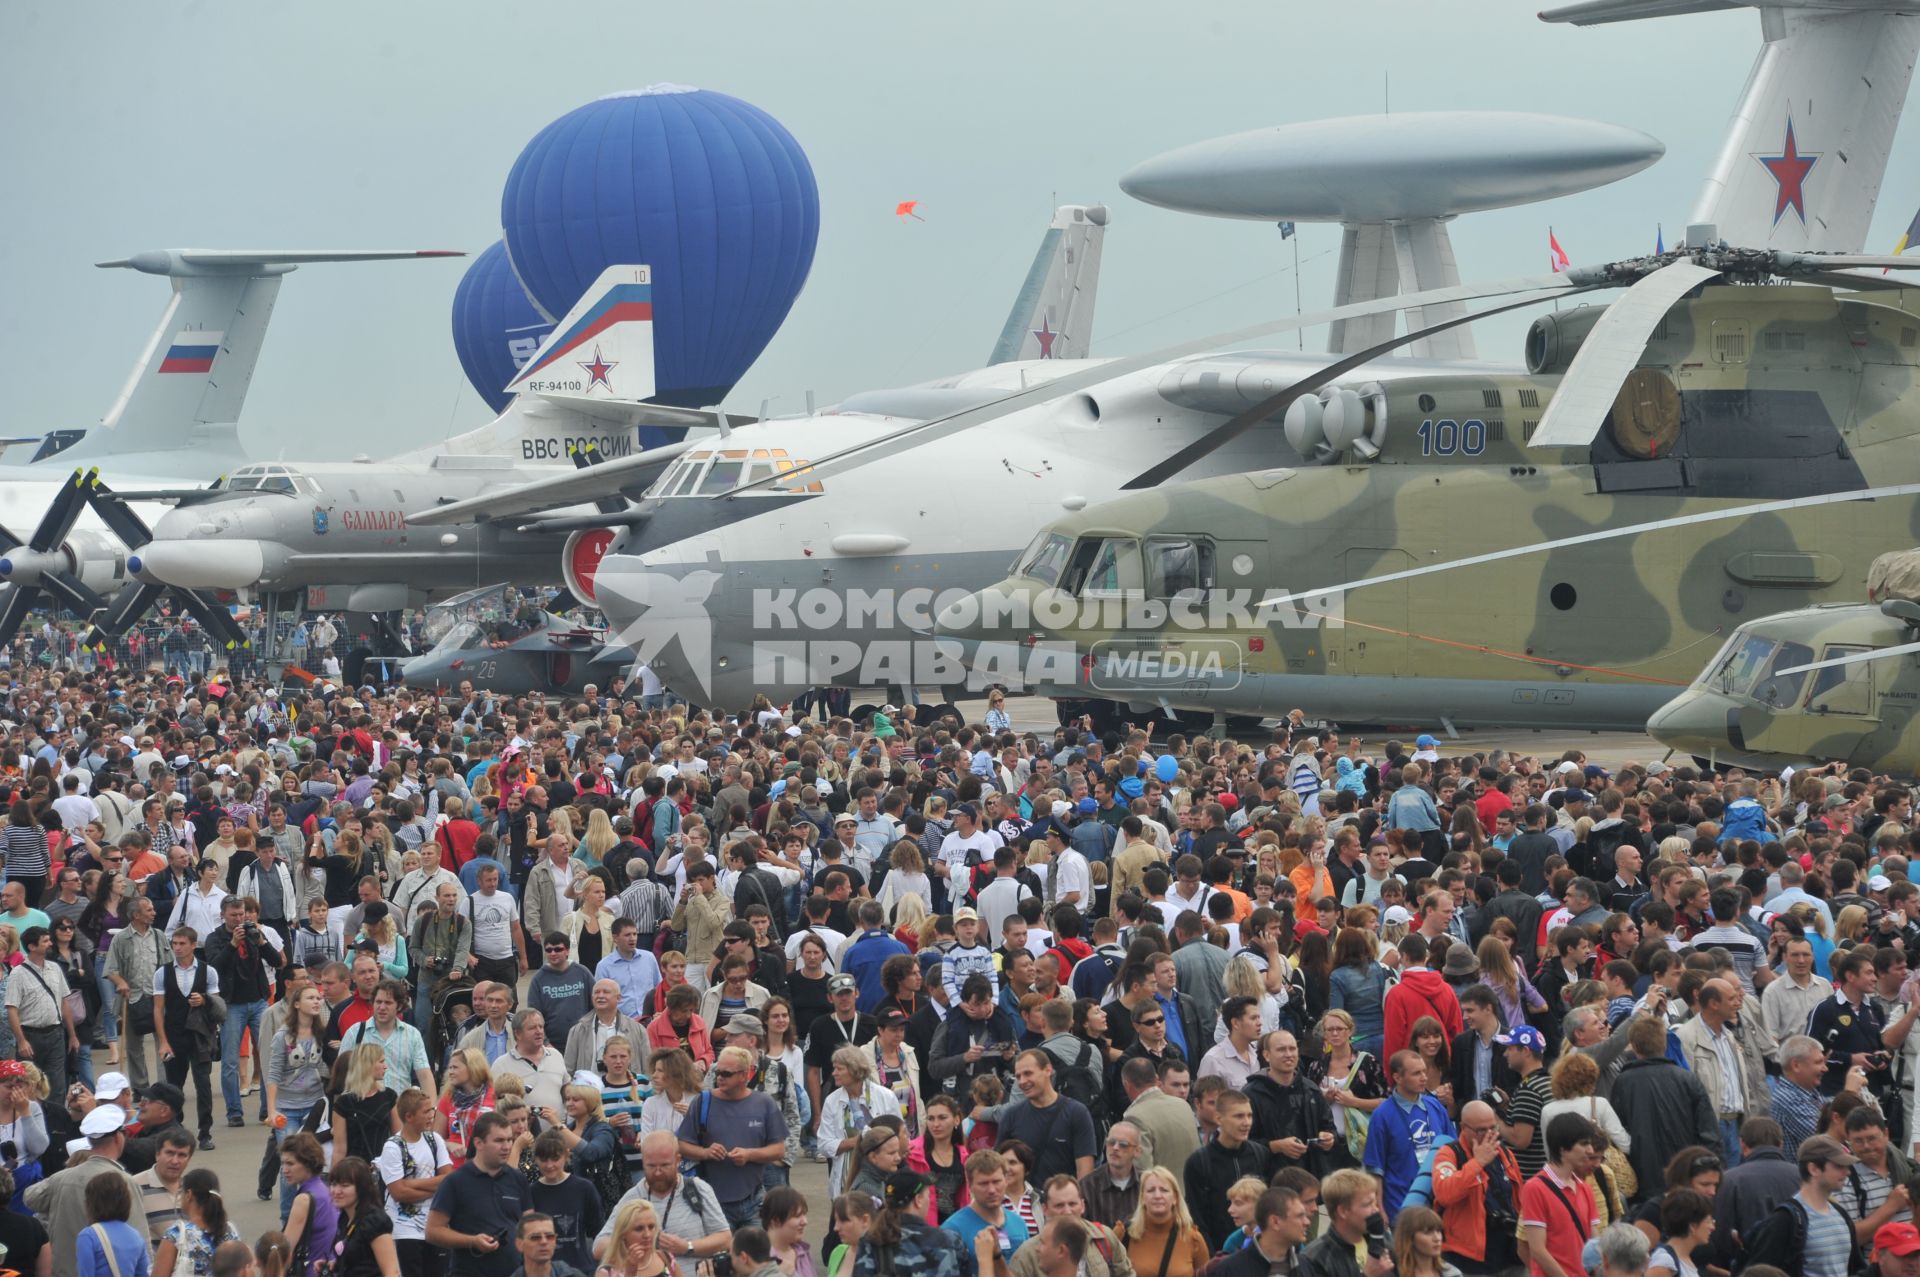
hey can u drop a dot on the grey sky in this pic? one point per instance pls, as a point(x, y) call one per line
point(355, 124)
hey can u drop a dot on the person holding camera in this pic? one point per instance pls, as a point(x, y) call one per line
point(238, 952)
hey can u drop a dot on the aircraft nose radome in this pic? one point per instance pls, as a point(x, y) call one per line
point(203, 564)
point(1695, 721)
point(983, 616)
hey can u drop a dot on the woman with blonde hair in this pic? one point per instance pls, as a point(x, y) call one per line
point(1499, 972)
point(598, 840)
point(1351, 1080)
point(393, 945)
point(1161, 1237)
point(561, 822)
point(634, 1250)
point(363, 1115)
point(589, 928)
point(467, 1093)
point(1849, 926)
point(1242, 979)
point(593, 1148)
point(1575, 1080)
point(848, 1110)
point(910, 920)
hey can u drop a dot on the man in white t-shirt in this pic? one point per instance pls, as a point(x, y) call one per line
point(1000, 899)
point(412, 1163)
point(499, 950)
point(968, 841)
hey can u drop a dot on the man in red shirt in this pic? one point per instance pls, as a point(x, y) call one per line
point(1496, 796)
point(1556, 1206)
point(366, 978)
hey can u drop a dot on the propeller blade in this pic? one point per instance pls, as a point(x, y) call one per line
point(1611, 351)
point(1843, 261)
point(118, 515)
point(72, 593)
point(1604, 534)
point(58, 519)
point(8, 541)
point(216, 620)
point(1855, 658)
point(1277, 403)
point(914, 435)
point(132, 603)
point(13, 613)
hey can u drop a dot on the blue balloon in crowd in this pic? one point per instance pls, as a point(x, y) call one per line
point(711, 192)
point(1166, 767)
point(495, 328)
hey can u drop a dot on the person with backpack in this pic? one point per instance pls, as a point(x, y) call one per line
point(1058, 1129)
point(1810, 1233)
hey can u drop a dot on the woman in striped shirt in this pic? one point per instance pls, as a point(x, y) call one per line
point(27, 860)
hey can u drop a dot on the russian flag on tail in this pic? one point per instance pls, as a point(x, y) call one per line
point(1556, 255)
point(191, 352)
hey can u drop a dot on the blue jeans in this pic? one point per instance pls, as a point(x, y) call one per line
point(1730, 1142)
point(743, 1212)
point(776, 1175)
point(240, 1016)
point(294, 1116)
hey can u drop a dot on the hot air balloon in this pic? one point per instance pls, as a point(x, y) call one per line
point(711, 192)
point(495, 328)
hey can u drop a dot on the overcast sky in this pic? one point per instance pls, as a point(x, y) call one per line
point(355, 124)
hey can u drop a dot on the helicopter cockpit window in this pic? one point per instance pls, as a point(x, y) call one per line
point(1177, 567)
point(1843, 689)
point(1102, 565)
point(1772, 689)
point(1740, 665)
point(1045, 557)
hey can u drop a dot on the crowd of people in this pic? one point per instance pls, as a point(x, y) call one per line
point(518, 987)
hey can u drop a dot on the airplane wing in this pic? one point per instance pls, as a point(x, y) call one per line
point(574, 487)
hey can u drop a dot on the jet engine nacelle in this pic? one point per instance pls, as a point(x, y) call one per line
point(580, 559)
point(97, 558)
point(1554, 338)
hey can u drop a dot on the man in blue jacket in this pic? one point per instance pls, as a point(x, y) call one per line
point(868, 952)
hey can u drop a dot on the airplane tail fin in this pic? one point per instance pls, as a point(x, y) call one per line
point(602, 351)
point(1807, 147)
point(191, 380)
point(1052, 316)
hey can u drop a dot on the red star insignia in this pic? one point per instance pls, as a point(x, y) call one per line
point(1789, 170)
point(1045, 335)
point(597, 371)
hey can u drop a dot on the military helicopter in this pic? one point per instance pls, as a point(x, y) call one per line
point(1819, 684)
point(1713, 381)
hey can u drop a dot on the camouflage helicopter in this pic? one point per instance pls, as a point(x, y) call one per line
point(1552, 558)
point(1833, 683)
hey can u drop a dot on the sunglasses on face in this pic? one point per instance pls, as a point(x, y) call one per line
point(1149, 1023)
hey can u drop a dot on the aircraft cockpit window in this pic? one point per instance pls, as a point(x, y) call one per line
point(1045, 557)
point(1772, 689)
point(463, 637)
point(725, 474)
point(1843, 689)
point(1177, 567)
point(1103, 565)
point(1739, 667)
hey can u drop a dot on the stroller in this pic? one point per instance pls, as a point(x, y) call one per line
point(452, 1010)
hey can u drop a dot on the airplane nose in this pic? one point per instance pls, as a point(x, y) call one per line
point(1698, 722)
point(992, 615)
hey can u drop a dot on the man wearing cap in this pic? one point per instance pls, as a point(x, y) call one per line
point(844, 1025)
point(1896, 1252)
point(161, 1110)
point(1520, 1126)
point(748, 1031)
point(1810, 1234)
point(61, 1200)
point(966, 845)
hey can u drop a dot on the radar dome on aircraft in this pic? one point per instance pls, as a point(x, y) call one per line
point(1380, 168)
point(495, 328)
point(710, 191)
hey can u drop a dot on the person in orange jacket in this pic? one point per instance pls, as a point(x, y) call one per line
point(1476, 1189)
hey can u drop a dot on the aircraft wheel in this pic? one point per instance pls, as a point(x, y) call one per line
point(864, 713)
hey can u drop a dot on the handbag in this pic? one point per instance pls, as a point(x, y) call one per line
point(1621, 1170)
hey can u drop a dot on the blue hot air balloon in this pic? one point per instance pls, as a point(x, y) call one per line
point(711, 192)
point(495, 328)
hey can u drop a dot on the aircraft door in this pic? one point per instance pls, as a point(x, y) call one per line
point(1375, 623)
point(1843, 689)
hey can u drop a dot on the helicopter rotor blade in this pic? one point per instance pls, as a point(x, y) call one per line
point(1854, 658)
